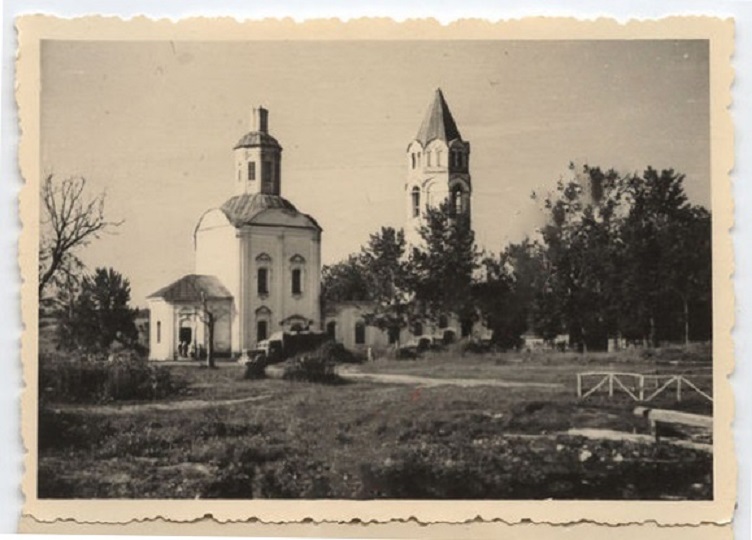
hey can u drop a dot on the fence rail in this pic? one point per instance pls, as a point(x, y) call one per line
point(636, 385)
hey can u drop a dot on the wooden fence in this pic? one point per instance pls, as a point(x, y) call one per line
point(638, 386)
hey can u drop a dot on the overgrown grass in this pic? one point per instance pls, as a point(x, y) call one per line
point(361, 440)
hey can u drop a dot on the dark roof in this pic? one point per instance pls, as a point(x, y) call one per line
point(241, 209)
point(257, 138)
point(190, 288)
point(438, 122)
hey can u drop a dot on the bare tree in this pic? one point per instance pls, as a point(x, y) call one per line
point(209, 315)
point(70, 220)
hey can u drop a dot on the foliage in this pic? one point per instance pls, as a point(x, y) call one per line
point(344, 281)
point(124, 377)
point(619, 256)
point(255, 367)
point(441, 270)
point(314, 368)
point(387, 278)
point(99, 315)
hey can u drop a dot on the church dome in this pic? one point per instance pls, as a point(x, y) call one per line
point(241, 209)
point(244, 209)
point(254, 139)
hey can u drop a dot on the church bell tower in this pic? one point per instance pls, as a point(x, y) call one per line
point(438, 163)
point(258, 158)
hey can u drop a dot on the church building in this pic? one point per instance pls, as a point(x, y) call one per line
point(438, 169)
point(257, 263)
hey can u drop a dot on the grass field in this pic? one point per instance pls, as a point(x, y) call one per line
point(368, 439)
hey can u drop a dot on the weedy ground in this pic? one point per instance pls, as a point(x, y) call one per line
point(372, 440)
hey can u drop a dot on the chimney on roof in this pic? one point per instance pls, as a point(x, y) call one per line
point(260, 120)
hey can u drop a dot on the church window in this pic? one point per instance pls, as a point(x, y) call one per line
point(413, 158)
point(418, 329)
point(263, 281)
point(428, 159)
point(443, 323)
point(416, 201)
point(457, 200)
point(438, 158)
point(331, 329)
point(360, 333)
point(251, 170)
point(297, 281)
point(262, 330)
point(266, 172)
point(159, 331)
point(393, 335)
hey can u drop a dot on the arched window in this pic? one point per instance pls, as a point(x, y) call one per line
point(443, 323)
point(393, 335)
point(262, 278)
point(297, 273)
point(159, 331)
point(331, 329)
point(251, 170)
point(428, 158)
point(360, 333)
point(457, 200)
point(438, 158)
point(418, 329)
point(263, 274)
point(416, 201)
point(413, 158)
point(297, 281)
point(262, 330)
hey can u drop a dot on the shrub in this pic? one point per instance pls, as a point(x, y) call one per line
point(337, 353)
point(407, 352)
point(311, 369)
point(123, 377)
point(475, 346)
point(255, 367)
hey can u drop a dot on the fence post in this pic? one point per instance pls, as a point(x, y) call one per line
point(678, 388)
point(610, 385)
point(642, 387)
point(579, 385)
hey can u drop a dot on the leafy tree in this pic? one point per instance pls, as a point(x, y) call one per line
point(344, 281)
point(100, 314)
point(442, 269)
point(501, 302)
point(385, 272)
point(622, 255)
point(667, 254)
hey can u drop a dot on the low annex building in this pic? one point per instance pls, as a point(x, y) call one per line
point(257, 263)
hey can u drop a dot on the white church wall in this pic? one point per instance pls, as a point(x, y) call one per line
point(218, 254)
point(161, 330)
point(280, 244)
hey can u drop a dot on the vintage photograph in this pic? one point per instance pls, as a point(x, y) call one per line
point(424, 270)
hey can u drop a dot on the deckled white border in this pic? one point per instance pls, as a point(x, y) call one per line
point(9, 333)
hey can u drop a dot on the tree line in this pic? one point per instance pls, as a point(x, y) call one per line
point(623, 256)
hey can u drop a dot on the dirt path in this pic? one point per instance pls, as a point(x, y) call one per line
point(187, 405)
point(392, 378)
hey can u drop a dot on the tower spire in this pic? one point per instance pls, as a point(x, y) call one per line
point(438, 167)
point(438, 122)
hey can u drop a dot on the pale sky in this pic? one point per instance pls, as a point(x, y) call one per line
point(154, 125)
